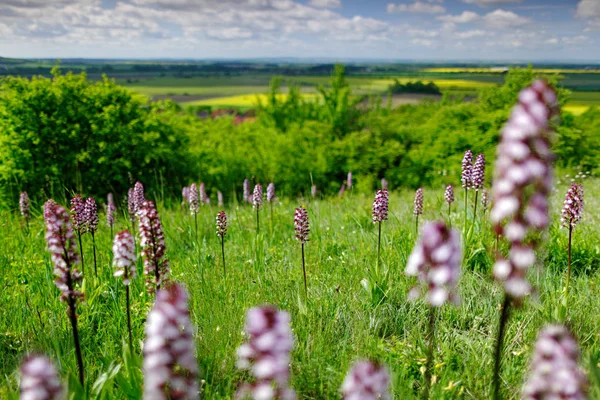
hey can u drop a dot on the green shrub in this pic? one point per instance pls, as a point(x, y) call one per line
point(67, 133)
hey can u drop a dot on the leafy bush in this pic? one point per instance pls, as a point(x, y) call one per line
point(417, 87)
point(67, 133)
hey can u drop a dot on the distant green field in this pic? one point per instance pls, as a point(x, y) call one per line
point(242, 91)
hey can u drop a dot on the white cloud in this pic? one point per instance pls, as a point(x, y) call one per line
point(575, 39)
point(470, 34)
point(325, 3)
point(590, 10)
point(487, 3)
point(416, 7)
point(501, 19)
point(568, 40)
point(422, 42)
point(465, 17)
point(229, 33)
point(423, 33)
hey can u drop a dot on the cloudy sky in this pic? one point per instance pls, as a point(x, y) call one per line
point(565, 30)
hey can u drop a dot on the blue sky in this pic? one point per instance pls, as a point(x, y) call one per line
point(504, 30)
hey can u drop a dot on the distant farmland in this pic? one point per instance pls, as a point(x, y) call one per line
point(243, 91)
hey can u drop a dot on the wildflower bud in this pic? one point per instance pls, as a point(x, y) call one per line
point(138, 196)
point(193, 199)
point(110, 210)
point(301, 224)
point(435, 260)
point(91, 215)
point(349, 181)
point(78, 217)
point(418, 209)
point(554, 371)
point(572, 210)
point(131, 204)
point(271, 192)
point(25, 206)
point(467, 169)
point(313, 190)
point(221, 224)
point(204, 199)
point(48, 209)
point(478, 173)
point(220, 199)
point(247, 195)
point(267, 354)
point(485, 199)
point(156, 265)
point(185, 195)
point(61, 245)
point(366, 381)
point(124, 256)
point(384, 184)
point(170, 368)
point(257, 197)
point(522, 183)
point(380, 206)
point(39, 380)
point(449, 194)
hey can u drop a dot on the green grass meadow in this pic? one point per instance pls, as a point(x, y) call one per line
point(343, 318)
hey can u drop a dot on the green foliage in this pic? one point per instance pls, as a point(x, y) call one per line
point(339, 106)
point(280, 111)
point(578, 142)
point(67, 133)
point(417, 87)
point(297, 142)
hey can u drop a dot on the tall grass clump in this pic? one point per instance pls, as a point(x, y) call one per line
point(522, 184)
